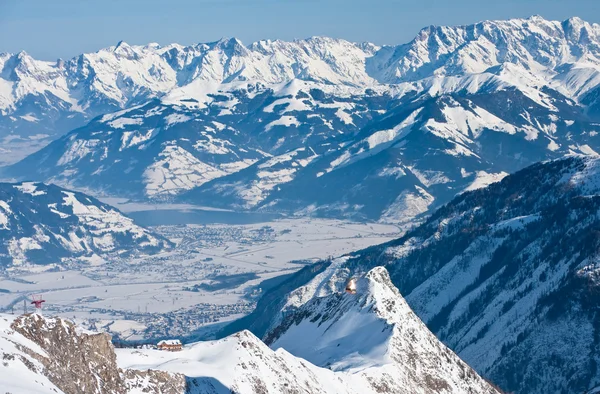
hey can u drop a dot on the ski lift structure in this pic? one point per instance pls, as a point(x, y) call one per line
point(351, 286)
point(38, 300)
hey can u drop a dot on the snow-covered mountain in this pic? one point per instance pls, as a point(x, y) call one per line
point(374, 334)
point(45, 224)
point(505, 276)
point(370, 342)
point(52, 355)
point(157, 150)
point(50, 97)
point(314, 126)
point(525, 52)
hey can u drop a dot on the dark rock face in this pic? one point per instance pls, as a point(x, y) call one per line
point(79, 362)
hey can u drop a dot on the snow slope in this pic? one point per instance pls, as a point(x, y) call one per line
point(368, 343)
point(45, 224)
point(506, 276)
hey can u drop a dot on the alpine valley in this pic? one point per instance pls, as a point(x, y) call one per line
point(311, 126)
point(467, 156)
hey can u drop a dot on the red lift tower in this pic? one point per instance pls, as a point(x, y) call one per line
point(37, 301)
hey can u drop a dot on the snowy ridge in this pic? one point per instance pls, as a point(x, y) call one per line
point(404, 357)
point(506, 276)
point(516, 51)
point(565, 54)
point(375, 334)
point(52, 355)
point(44, 224)
point(122, 76)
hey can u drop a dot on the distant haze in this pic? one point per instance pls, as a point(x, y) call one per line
point(61, 28)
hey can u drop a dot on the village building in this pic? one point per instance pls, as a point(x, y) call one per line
point(172, 345)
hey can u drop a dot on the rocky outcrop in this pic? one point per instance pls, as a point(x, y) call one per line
point(77, 361)
point(153, 381)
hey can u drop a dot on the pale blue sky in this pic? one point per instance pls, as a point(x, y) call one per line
point(49, 29)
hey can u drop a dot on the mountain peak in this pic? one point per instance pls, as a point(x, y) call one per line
point(537, 18)
point(229, 42)
point(124, 49)
point(121, 44)
point(373, 332)
point(575, 20)
point(22, 53)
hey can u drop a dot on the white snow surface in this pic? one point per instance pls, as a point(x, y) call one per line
point(177, 170)
point(371, 343)
point(519, 52)
point(483, 179)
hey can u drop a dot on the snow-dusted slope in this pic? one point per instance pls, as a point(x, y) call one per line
point(534, 45)
point(44, 224)
point(370, 342)
point(506, 276)
point(243, 364)
point(159, 150)
point(423, 152)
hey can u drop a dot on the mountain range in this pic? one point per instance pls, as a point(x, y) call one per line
point(312, 126)
point(503, 269)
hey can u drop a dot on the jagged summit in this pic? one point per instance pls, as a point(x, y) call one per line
point(374, 334)
point(449, 51)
